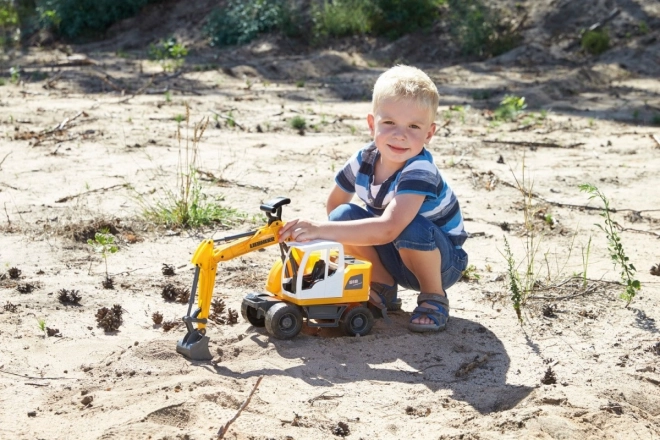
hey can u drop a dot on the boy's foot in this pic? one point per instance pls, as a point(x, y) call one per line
point(384, 294)
point(431, 314)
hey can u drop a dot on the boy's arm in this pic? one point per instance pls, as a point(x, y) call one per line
point(366, 232)
point(337, 197)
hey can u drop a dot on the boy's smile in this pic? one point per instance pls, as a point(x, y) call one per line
point(400, 128)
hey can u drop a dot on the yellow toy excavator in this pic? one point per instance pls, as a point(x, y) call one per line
point(312, 283)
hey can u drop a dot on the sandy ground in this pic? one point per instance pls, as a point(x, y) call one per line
point(77, 155)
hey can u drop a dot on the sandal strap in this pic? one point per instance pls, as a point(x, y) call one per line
point(433, 297)
point(433, 314)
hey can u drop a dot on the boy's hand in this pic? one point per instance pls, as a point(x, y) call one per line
point(300, 230)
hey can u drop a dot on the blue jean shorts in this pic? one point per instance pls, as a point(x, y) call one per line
point(421, 235)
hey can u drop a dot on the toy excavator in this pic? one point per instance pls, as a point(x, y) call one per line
point(312, 283)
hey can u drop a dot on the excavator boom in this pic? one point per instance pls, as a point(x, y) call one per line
point(206, 258)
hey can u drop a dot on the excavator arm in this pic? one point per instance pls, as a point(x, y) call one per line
point(206, 258)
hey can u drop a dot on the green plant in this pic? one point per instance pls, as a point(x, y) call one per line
point(187, 205)
point(168, 96)
point(615, 247)
point(167, 49)
point(510, 107)
point(655, 119)
point(470, 273)
point(179, 118)
point(240, 21)
point(643, 27)
point(15, 74)
point(394, 18)
point(42, 324)
point(585, 263)
point(85, 18)
point(595, 42)
point(480, 30)
point(9, 21)
point(514, 281)
point(104, 243)
point(341, 18)
point(298, 122)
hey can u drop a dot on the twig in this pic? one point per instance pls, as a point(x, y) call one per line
point(3, 159)
point(323, 396)
point(655, 138)
point(7, 214)
point(61, 125)
point(36, 378)
point(37, 384)
point(223, 430)
point(227, 118)
point(534, 144)
point(67, 198)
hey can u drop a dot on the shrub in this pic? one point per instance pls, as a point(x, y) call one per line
point(8, 21)
point(596, 42)
point(478, 29)
point(240, 21)
point(76, 18)
point(341, 18)
point(394, 18)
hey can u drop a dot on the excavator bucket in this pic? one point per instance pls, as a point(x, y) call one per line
point(195, 346)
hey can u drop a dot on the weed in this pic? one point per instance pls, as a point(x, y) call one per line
point(596, 42)
point(300, 83)
point(231, 121)
point(104, 243)
point(42, 324)
point(179, 118)
point(655, 119)
point(394, 18)
point(470, 273)
point(2, 82)
point(615, 247)
point(186, 205)
point(643, 27)
point(514, 281)
point(14, 74)
point(585, 263)
point(510, 107)
point(168, 96)
point(298, 122)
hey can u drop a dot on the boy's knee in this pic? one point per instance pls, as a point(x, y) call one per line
point(418, 231)
point(344, 212)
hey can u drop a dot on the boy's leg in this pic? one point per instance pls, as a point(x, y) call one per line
point(379, 273)
point(425, 266)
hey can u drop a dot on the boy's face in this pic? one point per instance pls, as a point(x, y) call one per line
point(400, 128)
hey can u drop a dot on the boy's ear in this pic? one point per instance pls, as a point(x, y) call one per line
point(430, 133)
point(371, 122)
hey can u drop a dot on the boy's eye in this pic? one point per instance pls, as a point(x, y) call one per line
point(414, 126)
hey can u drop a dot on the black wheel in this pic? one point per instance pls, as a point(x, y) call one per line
point(357, 320)
point(284, 321)
point(249, 313)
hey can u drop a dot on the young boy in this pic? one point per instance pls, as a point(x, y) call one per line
point(412, 228)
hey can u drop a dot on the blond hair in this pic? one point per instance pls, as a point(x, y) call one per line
point(401, 82)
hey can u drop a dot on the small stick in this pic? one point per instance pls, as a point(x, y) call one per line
point(4, 158)
point(654, 137)
point(534, 144)
point(35, 378)
point(222, 431)
point(67, 198)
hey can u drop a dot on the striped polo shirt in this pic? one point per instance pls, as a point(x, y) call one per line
point(419, 175)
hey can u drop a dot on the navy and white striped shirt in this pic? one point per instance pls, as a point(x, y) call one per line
point(419, 175)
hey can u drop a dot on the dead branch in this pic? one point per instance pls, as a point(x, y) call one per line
point(534, 144)
point(223, 430)
point(67, 198)
point(63, 124)
point(36, 378)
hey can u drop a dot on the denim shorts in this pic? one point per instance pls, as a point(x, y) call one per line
point(422, 235)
